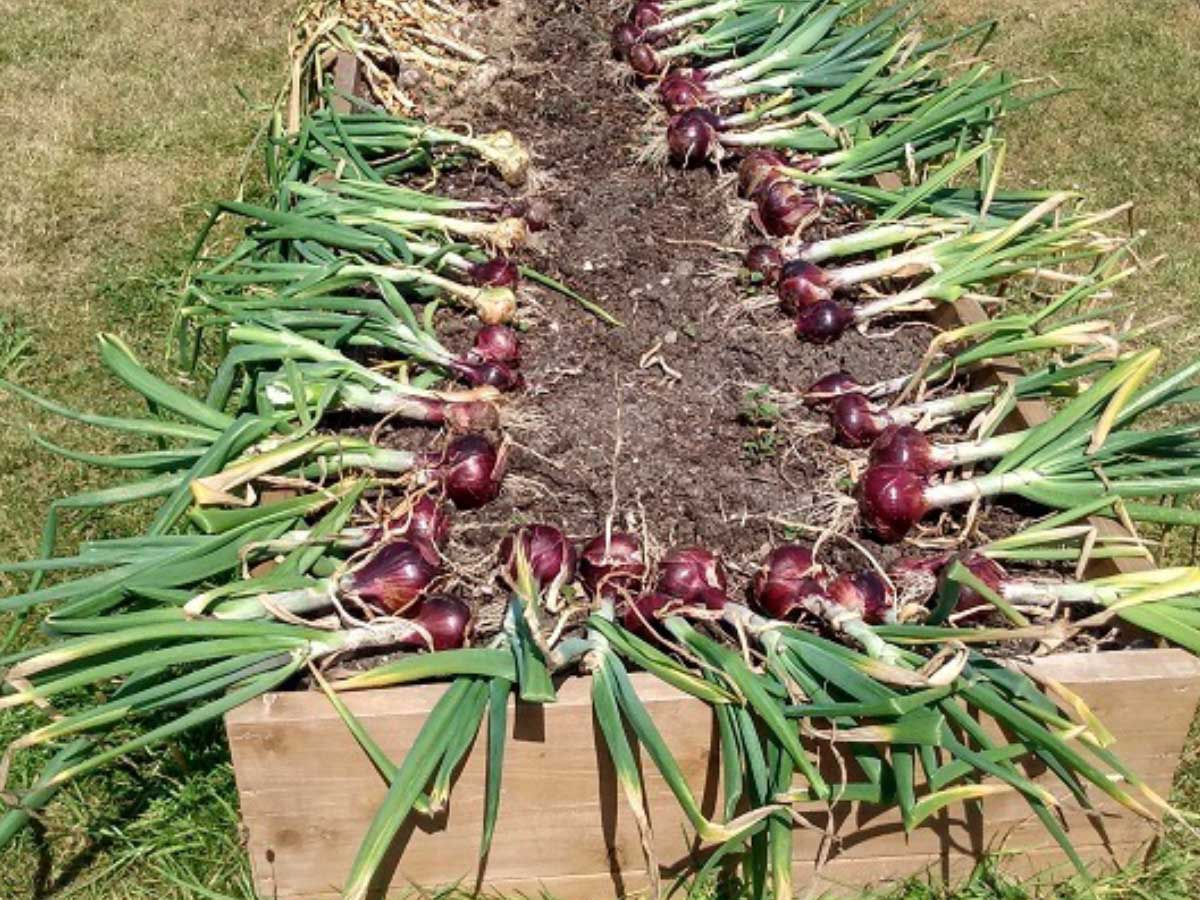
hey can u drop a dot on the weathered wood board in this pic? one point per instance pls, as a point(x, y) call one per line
point(308, 793)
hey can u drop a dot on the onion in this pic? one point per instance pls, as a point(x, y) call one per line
point(550, 555)
point(394, 577)
point(499, 271)
point(855, 421)
point(784, 206)
point(990, 573)
point(424, 520)
point(830, 387)
point(903, 445)
point(687, 571)
point(864, 592)
point(786, 577)
point(640, 615)
point(801, 284)
point(764, 260)
point(471, 416)
point(891, 500)
point(624, 38)
point(823, 322)
point(470, 471)
point(679, 92)
point(497, 344)
point(759, 169)
point(535, 213)
point(645, 14)
point(490, 374)
point(614, 567)
point(644, 60)
point(692, 136)
point(446, 620)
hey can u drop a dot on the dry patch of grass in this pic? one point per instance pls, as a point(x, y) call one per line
point(121, 119)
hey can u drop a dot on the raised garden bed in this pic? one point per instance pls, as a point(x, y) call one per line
point(564, 827)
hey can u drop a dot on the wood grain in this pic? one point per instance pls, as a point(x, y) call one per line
point(308, 792)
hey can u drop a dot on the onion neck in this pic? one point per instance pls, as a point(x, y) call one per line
point(838, 618)
point(966, 490)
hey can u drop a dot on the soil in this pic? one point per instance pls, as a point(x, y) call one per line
point(661, 449)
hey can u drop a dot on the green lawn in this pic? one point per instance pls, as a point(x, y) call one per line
point(122, 118)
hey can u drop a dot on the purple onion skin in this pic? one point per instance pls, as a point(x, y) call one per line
point(640, 616)
point(891, 500)
point(624, 38)
point(645, 14)
point(783, 207)
point(643, 60)
point(855, 422)
point(905, 446)
point(990, 573)
point(829, 387)
point(692, 137)
point(786, 577)
point(425, 520)
point(484, 373)
point(498, 271)
point(497, 344)
point(680, 92)
point(864, 592)
point(470, 471)
point(758, 170)
point(801, 284)
point(394, 577)
point(447, 621)
point(823, 322)
point(613, 569)
point(550, 555)
point(765, 261)
point(685, 572)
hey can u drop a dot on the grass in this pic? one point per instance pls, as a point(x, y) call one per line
point(123, 119)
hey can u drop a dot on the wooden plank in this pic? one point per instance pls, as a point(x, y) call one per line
point(562, 817)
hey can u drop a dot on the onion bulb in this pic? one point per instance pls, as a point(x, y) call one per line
point(550, 555)
point(787, 576)
point(891, 500)
point(692, 136)
point(444, 624)
point(393, 577)
point(470, 471)
point(823, 322)
point(685, 572)
point(865, 593)
point(613, 567)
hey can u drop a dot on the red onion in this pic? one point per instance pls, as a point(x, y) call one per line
point(787, 576)
point(535, 212)
point(903, 445)
point(687, 571)
point(474, 415)
point(801, 284)
point(550, 555)
point(855, 421)
point(759, 169)
point(499, 271)
point(394, 576)
point(679, 92)
point(640, 615)
point(497, 344)
point(765, 261)
point(644, 60)
point(990, 573)
point(864, 592)
point(692, 136)
point(823, 322)
point(784, 206)
point(891, 500)
point(624, 38)
point(483, 373)
point(645, 14)
point(470, 471)
point(614, 568)
point(446, 620)
point(424, 520)
point(830, 387)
